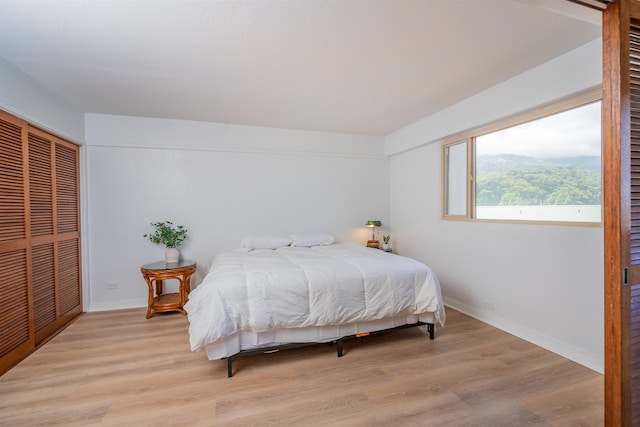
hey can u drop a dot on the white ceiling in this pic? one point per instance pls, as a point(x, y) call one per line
point(358, 66)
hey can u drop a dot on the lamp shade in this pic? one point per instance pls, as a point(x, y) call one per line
point(374, 224)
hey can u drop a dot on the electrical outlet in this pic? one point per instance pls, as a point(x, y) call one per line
point(112, 286)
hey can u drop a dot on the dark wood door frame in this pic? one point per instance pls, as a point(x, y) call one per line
point(612, 219)
point(621, 210)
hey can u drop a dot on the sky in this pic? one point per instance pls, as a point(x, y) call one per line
point(572, 133)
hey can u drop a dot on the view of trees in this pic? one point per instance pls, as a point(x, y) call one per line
point(521, 180)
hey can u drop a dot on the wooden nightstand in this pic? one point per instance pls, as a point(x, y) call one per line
point(157, 272)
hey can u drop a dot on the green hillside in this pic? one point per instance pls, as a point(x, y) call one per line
point(509, 180)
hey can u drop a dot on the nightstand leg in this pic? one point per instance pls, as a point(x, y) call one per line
point(183, 293)
point(150, 299)
point(187, 284)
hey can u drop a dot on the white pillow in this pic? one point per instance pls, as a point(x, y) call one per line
point(264, 242)
point(311, 239)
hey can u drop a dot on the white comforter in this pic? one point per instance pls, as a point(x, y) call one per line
point(295, 287)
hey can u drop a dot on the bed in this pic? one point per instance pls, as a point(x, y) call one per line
point(261, 300)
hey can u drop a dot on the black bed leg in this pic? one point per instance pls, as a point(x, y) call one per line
point(229, 367)
point(432, 330)
point(339, 347)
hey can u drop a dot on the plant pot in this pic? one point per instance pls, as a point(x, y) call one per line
point(386, 246)
point(172, 255)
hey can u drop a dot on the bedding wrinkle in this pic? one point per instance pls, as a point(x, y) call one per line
point(383, 286)
point(331, 284)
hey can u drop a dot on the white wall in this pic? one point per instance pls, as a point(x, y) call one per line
point(23, 97)
point(540, 282)
point(222, 182)
point(577, 70)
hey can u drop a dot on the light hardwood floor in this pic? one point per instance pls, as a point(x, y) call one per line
point(120, 369)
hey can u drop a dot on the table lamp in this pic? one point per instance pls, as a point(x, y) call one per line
point(373, 243)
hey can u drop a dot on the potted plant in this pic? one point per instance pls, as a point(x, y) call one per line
point(385, 242)
point(170, 236)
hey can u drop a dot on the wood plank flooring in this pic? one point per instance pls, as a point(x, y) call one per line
point(120, 369)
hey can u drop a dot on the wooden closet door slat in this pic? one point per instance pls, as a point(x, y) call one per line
point(69, 276)
point(66, 188)
point(14, 318)
point(12, 209)
point(44, 286)
point(40, 185)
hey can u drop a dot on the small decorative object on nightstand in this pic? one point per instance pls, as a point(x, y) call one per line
point(171, 237)
point(157, 272)
point(373, 243)
point(385, 243)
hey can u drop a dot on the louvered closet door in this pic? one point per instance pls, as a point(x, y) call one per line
point(55, 239)
point(16, 331)
point(68, 229)
point(42, 250)
point(40, 286)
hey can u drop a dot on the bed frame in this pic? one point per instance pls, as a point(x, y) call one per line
point(431, 328)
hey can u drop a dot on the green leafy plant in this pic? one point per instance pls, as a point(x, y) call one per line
point(167, 234)
point(386, 238)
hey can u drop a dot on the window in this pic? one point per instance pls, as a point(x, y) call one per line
point(545, 166)
point(456, 178)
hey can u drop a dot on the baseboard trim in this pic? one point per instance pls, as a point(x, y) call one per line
point(117, 305)
point(563, 349)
